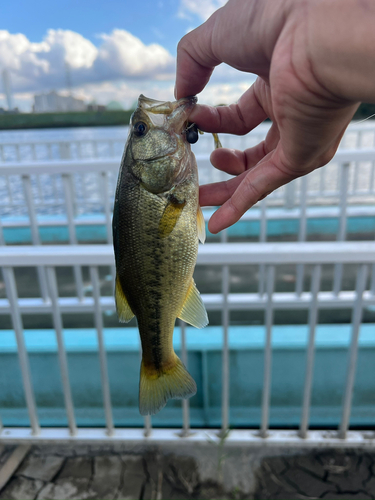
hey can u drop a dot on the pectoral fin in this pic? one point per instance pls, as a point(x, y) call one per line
point(124, 312)
point(193, 310)
point(201, 225)
point(170, 216)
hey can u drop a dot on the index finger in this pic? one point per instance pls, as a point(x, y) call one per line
point(195, 60)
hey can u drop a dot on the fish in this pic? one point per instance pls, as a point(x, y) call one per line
point(157, 222)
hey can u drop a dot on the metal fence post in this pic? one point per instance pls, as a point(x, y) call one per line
point(225, 353)
point(341, 235)
point(11, 289)
point(266, 396)
point(313, 319)
point(34, 232)
point(353, 353)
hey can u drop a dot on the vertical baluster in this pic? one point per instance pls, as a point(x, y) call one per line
point(321, 182)
point(313, 318)
point(147, 422)
point(33, 152)
point(64, 148)
point(34, 232)
point(302, 233)
point(341, 236)
point(290, 194)
point(72, 232)
point(85, 194)
point(18, 153)
point(262, 239)
point(266, 396)
point(54, 188)
point(107, 206)
point(9, 190)
point(206, 399)
point(355, 179)
point(2, 238)
point(185, 402)
point(40, 191)
point(356, 323)
point(225, 353)
point(11, 290)
point(31, 209)
point(372, 284)
point(58, 326)
point(102, 354)
point(108, 218)
point(372, 175)
point(2, 155)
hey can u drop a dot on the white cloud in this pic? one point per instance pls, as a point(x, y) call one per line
point(200, 8)
point(42, 66)
point(120, 68)
point(64, 46)
point(123, 54)
point(219, 93)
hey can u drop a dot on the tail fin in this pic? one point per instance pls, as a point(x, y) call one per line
point(155, 388)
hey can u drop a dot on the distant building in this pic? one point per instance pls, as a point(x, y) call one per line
point(93, 106)
point(13, 111)
point(114, 106)
point(54, 102)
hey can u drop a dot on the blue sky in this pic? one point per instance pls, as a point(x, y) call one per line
point(114, 49)
point(152, 21)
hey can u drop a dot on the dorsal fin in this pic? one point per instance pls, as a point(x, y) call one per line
point(193, 310)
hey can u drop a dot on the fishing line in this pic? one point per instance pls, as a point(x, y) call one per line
point(365, 120)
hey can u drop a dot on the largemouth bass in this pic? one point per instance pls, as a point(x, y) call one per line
point(157, 222)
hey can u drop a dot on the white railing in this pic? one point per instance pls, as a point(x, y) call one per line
point(352, 172)
point(358, 135)
point(51, 150)
point(311, 256)
point(78, 193)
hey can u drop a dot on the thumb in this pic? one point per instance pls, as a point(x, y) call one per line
point(195, 60)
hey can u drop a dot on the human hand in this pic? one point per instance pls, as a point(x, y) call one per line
point(282, 43)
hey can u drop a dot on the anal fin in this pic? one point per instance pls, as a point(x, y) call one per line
point(193, 310)
point(124, 312)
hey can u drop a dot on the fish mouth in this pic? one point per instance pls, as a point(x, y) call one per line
point(175, 113)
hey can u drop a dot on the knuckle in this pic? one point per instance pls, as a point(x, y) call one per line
point(326, 157)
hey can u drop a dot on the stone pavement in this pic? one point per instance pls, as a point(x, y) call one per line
point(105, 476)
point(321, 474)
point(53, 472)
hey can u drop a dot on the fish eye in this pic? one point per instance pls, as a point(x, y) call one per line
point(140, 129)
point(192, 134)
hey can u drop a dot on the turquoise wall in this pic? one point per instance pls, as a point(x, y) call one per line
point(204, 346)
point(86, 232)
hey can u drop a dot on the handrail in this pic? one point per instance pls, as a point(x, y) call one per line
point(213, 254)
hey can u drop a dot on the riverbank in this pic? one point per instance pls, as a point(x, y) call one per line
point(102, 118)
point(59, 120)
